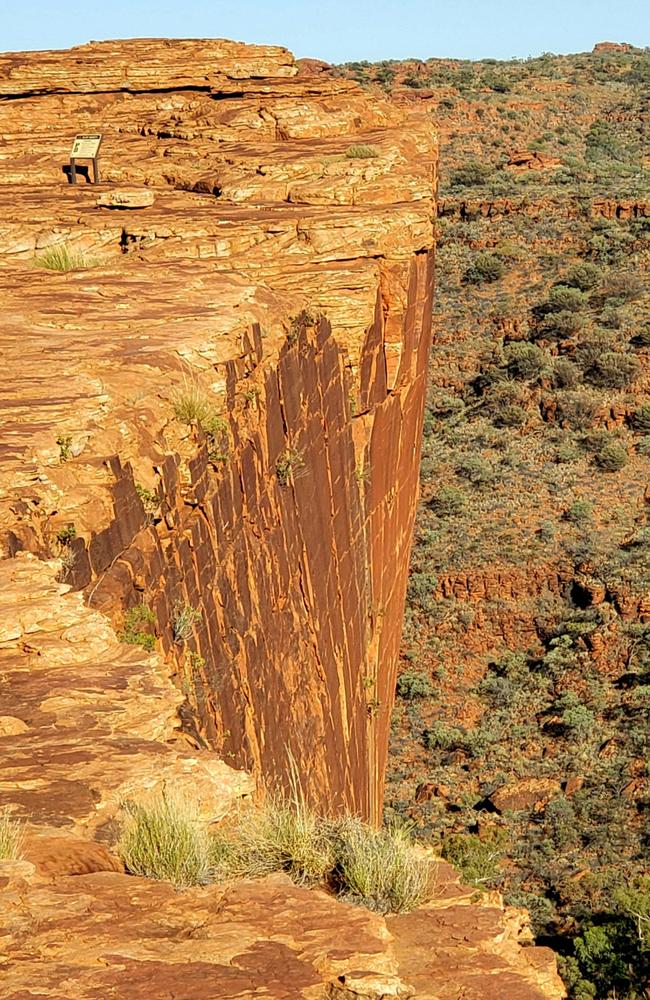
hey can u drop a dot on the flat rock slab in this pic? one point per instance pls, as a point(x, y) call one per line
point(126, 199)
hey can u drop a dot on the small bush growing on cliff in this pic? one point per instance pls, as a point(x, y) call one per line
point(62, 258)
point(150, 501)
point(361, 152)
point(11, 837)
point(165, 840)
point(136, 622)
point(289, 465)
point(65, 447)
point(192, 406)
point(184, 618)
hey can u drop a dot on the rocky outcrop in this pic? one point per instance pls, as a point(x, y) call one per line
point(263, 195)
point(216, 410)
point(137, 938)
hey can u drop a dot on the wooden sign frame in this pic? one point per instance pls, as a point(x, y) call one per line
point(85, 147)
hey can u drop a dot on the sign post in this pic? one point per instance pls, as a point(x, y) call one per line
point(85, 147)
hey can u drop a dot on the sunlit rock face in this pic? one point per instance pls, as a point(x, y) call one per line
point(263, 239)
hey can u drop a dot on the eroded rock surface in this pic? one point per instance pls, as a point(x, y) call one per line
point(111, 934)
point(286, 527)
point(269, 193)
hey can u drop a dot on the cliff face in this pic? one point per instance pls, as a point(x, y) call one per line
point(185, 430)
point(287, 531)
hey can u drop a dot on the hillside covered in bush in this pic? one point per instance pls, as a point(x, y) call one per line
point(521, 735)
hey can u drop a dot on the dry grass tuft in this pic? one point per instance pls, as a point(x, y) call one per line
point(62, 258)
point(379, 869)
point(11, 837)
point(361, 151)
point(166, 840)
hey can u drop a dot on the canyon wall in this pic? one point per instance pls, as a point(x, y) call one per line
point(214, 372)
point(269, 251)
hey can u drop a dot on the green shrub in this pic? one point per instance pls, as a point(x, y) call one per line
point(66, 535)
point(561, 325)
point(484, 269)
point(566, 453)
point(641, 419)
point(135, 630)
point(65, 447)
point(579, 512)
point(563, 298)
point(565, 375)
point(184, 618)
point(612, 457)
point(578, 720)
point(477, 859)
point(165, 840)
point(613, 371)
point(476, 470)
point(440, 736)
point(421, 591)
point(470, 174)
point(449, 501)
point(583, 276)
point(11, 837)
point(289, 465)
point(414, 684)
point(524, 361)
point(150, 500)
point(361, 152)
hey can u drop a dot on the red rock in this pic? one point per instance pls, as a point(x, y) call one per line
point(525, 794)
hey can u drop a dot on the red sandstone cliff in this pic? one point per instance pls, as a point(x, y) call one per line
point(287, 530)
point(261, 209)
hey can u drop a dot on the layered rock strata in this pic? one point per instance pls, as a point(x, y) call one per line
point(241, 204)
point(271, 200)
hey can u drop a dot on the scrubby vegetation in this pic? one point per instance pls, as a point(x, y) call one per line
point(166, 840)
point(193, 406)
point(379, 869)
point(184, 618)
point(527, 604)
point(139, 622)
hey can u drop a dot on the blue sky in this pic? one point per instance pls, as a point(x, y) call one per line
point(338, 30)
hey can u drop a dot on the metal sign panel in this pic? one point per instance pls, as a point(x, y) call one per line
point(86, 147)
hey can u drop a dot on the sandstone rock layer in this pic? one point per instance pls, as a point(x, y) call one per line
point(256, 202)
